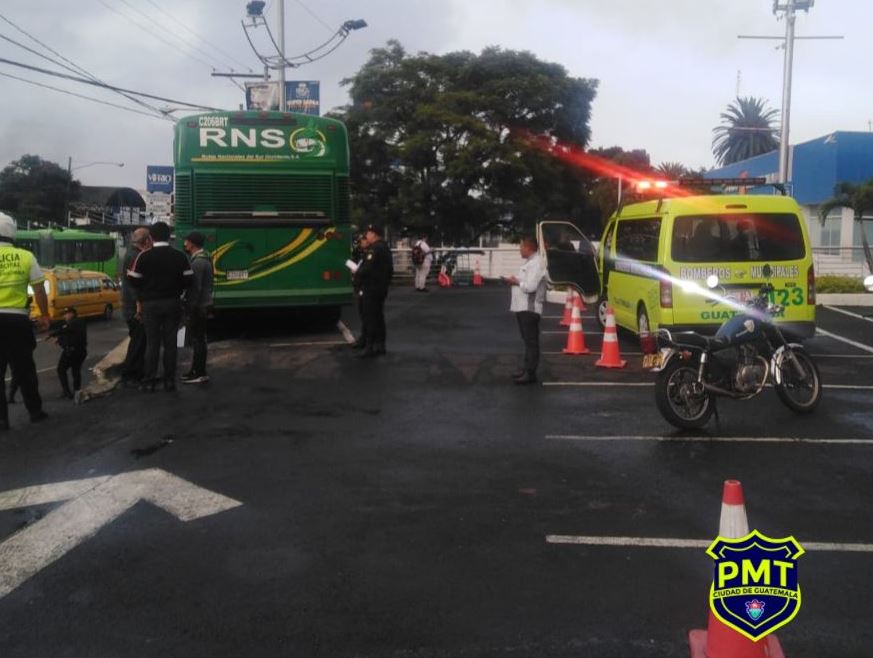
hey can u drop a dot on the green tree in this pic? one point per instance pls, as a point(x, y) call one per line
point(438, 141)
point(603, 190)
point(35, 190)
point(858, 197)
point(746, 130)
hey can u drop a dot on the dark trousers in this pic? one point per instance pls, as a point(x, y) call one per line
point(17, 343)
point(196, 330)
point(134, 361)
point(71, 361)
point(373, 316)
point(161, 318)
point(529, 325)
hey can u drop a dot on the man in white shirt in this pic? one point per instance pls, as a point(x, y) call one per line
point(421, 253)
point(528, 295)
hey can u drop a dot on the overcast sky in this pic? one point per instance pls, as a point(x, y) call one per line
point(666, 68)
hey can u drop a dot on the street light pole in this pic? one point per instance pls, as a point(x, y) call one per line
point(70, 171)
point(790, 18)
point(283, 106)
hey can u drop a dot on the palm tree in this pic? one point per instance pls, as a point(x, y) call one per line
point(858, 197)
point(746, 131)
point(671, 170)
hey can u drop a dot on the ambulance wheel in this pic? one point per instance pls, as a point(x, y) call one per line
point(602, 305)
point(643, 327)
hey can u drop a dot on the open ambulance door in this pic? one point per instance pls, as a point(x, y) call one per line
point(570, 258)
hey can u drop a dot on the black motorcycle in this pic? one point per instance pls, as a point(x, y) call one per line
point(748, 351)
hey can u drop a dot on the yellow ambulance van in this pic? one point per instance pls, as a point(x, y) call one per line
point(655, 256)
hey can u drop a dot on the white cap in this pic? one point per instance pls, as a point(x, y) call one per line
point(8, 227)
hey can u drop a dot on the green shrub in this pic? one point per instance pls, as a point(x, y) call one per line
point(831, 283)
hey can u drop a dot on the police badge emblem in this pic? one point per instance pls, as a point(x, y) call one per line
point(755, 589)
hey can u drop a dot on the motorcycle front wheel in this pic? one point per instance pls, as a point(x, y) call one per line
point(799, 385)
point(680, 399)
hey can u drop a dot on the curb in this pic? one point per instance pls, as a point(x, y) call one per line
point(844, 299)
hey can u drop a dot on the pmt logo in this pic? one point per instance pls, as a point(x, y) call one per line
point(755, 588)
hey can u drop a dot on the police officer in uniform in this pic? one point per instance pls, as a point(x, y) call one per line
point(18, 268)
point(374, 277)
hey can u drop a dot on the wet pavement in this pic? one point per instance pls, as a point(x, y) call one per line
point(401, 507)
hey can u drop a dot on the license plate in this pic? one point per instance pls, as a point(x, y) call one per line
point(237, 275)
point(742, 295)
point(652, 360)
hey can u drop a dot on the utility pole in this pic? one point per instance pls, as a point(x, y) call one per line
point(67, 195)
point(283, 106)
point(789, 9)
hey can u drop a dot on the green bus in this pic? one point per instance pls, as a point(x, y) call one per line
point(270, 193)
point(83, 250)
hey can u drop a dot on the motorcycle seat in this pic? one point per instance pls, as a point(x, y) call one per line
point(693, 339)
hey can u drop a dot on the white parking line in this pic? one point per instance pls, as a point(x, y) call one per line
point(38, 372)
point(592, 438)
point(846, 387)
point(309, 344)
point(849, 313)
point(847, 341)
point(669, 542)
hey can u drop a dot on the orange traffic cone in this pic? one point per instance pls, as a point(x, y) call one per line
point(576, 338)
point(609, 357)
point(477, 277)
point(568, 309)
point(720, 641)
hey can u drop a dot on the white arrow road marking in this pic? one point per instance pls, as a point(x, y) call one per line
point(94, 502)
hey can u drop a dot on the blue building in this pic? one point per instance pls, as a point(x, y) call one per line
point(815, 168)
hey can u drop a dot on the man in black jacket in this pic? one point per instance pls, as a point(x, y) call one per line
point(198, 301)
point(72, 337)
point(374, 277)
point(160, 276)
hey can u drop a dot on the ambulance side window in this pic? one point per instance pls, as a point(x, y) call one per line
point(638, 239)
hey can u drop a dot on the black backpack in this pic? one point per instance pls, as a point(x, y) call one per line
point(417, 255)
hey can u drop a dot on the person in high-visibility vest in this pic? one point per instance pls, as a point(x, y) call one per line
point(18, 269)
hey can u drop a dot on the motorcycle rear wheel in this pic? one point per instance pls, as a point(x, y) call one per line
point(676, 399)
point(800, 393)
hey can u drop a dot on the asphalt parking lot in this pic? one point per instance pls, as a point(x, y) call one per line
point(307, 503)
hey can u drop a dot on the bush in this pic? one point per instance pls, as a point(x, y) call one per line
point(831, 283)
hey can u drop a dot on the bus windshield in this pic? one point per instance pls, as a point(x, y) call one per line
point(737, 238)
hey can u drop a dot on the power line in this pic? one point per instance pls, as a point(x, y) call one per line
point(181, 24)
point(103, 85)
point(89, 98)
point(315, 16)
point(156, 35)
point(77, 68)
point(169, 32)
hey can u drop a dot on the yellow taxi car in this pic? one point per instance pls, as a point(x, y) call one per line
point(90, 293)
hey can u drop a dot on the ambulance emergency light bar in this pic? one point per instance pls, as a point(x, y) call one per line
point(656, 186)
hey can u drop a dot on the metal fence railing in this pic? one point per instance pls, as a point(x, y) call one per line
point(843, 261)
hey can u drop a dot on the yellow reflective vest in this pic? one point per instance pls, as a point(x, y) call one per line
point(18, 267)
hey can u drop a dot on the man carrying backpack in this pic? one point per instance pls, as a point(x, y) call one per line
point(422, 257)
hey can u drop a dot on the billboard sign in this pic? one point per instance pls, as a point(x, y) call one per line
point(301, 96)
point(159, 179)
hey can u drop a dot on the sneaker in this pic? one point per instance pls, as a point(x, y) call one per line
point(196, 379)
point(188, 375)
